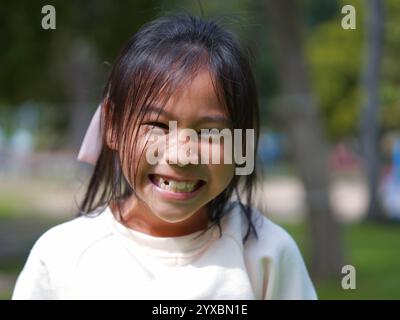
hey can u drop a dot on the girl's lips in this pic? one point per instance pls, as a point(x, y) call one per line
point(177, 195)
point(168, 177)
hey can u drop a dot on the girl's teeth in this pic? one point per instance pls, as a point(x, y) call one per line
point(175, 186)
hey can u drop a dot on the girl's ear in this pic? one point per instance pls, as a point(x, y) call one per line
point(110, 134)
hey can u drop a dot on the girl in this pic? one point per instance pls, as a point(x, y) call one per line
point(170, 230)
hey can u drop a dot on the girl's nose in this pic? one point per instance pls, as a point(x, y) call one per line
point(182, 149)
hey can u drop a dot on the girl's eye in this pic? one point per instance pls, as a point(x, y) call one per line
point(157, 124)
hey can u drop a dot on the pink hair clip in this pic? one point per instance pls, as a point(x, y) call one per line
point(92, 142)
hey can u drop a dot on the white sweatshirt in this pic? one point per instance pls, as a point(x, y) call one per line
point(99, 258)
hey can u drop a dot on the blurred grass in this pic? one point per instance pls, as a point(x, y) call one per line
point(12, 205)
point(373, 249)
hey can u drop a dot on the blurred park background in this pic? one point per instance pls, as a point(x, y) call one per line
point(330, 106)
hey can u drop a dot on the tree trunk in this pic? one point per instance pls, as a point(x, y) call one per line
point(81, 80)
point(370, 110)
point(304, 128)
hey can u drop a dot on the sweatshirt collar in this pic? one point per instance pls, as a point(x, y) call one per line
point(181, 246)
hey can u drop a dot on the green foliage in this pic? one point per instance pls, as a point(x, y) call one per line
point(33, 60)
point(316, 12)
point(36, 64)
point(390, 93)
point(25, 51)
point(335, 57)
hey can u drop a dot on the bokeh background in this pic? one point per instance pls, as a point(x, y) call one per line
point(330, 106)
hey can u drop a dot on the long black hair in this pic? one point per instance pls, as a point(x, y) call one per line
point(163, 55)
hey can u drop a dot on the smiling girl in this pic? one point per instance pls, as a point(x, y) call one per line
point(172, 229)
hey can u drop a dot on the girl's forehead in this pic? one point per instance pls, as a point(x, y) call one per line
point(198, 96)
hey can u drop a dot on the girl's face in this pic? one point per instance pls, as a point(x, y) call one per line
point(175, 192)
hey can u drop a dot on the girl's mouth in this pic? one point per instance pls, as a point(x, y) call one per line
point(164, 183)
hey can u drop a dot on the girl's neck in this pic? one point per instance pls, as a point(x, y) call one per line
point(137, 216)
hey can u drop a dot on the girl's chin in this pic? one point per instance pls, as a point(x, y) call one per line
point(166, 216)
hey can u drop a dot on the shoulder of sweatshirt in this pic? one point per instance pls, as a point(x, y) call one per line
point(72, 237)
point(272, 240)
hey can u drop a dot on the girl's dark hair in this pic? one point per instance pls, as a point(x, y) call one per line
point(161, 57)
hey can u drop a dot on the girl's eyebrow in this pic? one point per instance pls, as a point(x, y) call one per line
point(210, 118)
point(158, 111)
point(216, 118)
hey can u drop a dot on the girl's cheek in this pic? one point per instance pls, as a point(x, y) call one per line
point(224, 174)
point(218, 153)
point(223, 168)
point(130, 156)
